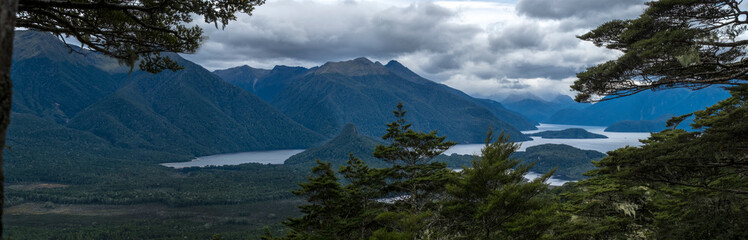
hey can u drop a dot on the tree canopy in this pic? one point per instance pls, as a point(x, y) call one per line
point(673, 44)
point(130, 30)
point(127, 30)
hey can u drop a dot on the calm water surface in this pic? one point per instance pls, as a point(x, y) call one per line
point(614, 141)
point(264, 157)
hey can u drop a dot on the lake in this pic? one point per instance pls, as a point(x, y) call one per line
point(264, 157)
point(614, 141)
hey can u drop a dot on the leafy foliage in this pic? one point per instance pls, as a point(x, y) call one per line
point(130, 30)
point(685, 185)
point(673, 44)
point(491, 199)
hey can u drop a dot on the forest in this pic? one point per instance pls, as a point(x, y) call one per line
point(679, 185)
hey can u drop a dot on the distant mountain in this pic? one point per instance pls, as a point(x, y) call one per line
point(190, 111)
point(570, 133)
point(538, 109)
point(365, 93)
point(243, 76)
point(648, 105)
point(338, 149)
point(637, 126)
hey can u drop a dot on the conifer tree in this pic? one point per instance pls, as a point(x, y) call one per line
point(365, 187)
point(324, 216)
point(492, 196)
point(413, 176)
point(678, 185)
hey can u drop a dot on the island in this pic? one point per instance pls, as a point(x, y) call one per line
point(570, 133)
point(571, 163)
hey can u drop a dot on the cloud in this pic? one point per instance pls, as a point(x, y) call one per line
point(559, 9)
point(484, 48)
point(319, 32)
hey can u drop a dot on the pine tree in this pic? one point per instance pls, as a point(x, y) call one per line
point(366, 186)
point(493, 200)
point(324, 216)
point(413, 177)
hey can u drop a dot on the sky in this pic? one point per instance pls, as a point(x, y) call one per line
point(488, 49)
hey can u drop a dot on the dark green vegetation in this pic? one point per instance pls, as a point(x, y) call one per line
point(97, 134)
point(417, 198)
point(349, 141)
point(186, 112)
point(361, 92)
point(673, 44)
point(570, 162)
point(570, 133)
point(636, 126)
point(336, 151)
point(679, 185)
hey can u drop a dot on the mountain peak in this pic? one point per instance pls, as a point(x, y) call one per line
point(349, 129)
point(356, 67)
point(398, 69)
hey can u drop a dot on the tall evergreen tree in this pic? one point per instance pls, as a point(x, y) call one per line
point(413, 177)
point(679, 185)
point(493, 200)
point(365, 187)
point(324, 216)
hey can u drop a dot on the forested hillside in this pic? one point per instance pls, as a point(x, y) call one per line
point(361, 92)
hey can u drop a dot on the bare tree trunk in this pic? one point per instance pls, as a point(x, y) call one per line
point(8, 10)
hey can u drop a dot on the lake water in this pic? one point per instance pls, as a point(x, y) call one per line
point(264, 157)
point(614, 141)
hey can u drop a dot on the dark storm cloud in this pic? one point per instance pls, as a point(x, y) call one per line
point(485, 48)
point(319, 32)
point(559, 9)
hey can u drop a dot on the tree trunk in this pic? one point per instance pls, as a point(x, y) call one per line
point(8, 10)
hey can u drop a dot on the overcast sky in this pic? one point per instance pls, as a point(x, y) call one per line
point(484, 48)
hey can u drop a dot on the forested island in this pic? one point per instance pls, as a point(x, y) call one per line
point(570, 133)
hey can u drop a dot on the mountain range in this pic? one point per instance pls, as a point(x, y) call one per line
point(66, 98)
point(644, 106)
point(190, 111)
point(364, 93)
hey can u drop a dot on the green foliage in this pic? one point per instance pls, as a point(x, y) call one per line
point(324, 99)
point(673, 44)
point(679, 185)
point(324, 216)
point(412, 176)
point(569, 162)
point(131, 30)
point(492, 199)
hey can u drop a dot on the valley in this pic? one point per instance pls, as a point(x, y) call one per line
point(96, 151)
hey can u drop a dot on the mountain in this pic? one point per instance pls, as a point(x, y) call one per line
point(648, 105)
point(365, 93)
point(350, 141)
point(638, 126)
point(338, 149)
point(190, 111)
point(538, 109)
